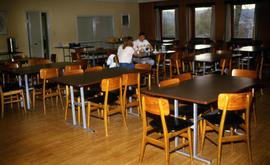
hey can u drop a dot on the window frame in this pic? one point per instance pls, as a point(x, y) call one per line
point(194, 22)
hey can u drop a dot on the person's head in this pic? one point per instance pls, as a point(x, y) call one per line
point(141, 36)
point(128, 41)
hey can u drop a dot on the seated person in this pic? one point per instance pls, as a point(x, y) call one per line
point(142, 45)
point(111, 61)
point(125, 53)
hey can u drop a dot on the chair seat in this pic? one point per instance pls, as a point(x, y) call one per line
point(112, 98)
point(173, 124)
point(232, 119)
point(48, 86)
point(11, 87)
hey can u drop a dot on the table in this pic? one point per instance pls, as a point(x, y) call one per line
point(202, 90)
point(95, 53)
point(9, 53)
point(248, 50)
point(87, 79)
point(64, 48)
point(25, 71)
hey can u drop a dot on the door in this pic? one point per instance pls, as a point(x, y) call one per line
point(37, 34)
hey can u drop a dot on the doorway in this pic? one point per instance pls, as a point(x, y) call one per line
point(37, 29)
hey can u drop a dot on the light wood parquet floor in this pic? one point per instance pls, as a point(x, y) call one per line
point(40, 139)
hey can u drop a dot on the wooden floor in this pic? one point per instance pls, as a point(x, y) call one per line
point(35, 138)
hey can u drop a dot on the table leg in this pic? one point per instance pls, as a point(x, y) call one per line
point(203, 68)
point(193, 67)
point(248, 62)
point(72, 105)
point(26, 90)
point(83, 107)
point(195, 136)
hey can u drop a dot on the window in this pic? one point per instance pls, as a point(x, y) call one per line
point(243, 21)
point(203, 22)
point(168, 23)
point(95, 28)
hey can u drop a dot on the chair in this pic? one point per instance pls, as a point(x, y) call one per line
point(160, 67)
point(69, 68)
point(10, 95)
point(174, 63)
point(111, 102)
point(38, 61)
point(10, 78)
point(159, 128)
point(169, 82)
point(132, 91)
point(94, 68)
point(233, 113)
point(145, 76)
point(53, 58)
point(184, 76)
point(225, 61)
point(75, 56)
point(248, 74)
point(68, 72)
point(48, 89)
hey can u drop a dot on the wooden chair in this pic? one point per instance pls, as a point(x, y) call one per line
point(226, 117)
point(75, 56)
point(68, 72)
point(48, 90)
point(6, 78)
point(159, 128)
point(10, 95)
point(160, 67)
point(174, 63)
point(132, 97)
point(111, 102)
point(94, 68)
point(225, 63)
point(53, 58)
point(68, 69)
point(184, 76)
point(248, 74)
point(169, 82)
point(145, 76)
point(38, 61)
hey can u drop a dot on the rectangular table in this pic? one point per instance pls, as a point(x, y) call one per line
point(248, 50)
point(25, 71)
point(201, 90)
point(87, 79)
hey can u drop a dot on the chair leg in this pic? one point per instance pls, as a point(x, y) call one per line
point(106, 119)
point(190, 144)
point(67, 103)
point(44, 103)
point(203, 135)
point(219, 151)
point(142, 148)
point(88, 114)
point(23, 100)
point(167, 147)
point(60, 96)
point(34, 98)
point(79, 111)
point(2, 107)
point(249, 148)
point(124, 115)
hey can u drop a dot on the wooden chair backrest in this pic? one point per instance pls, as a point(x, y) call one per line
point(12, 65)
point(48, 73)
point(111, 84)
point(234, 101)
point(143, 66)
point(41, 61)
point(244, 73)
point(169, 82)
point(175, 56)
point(155, 105)
point(93, 69)
point(72, 67)
point(53, 58)
point(184, 76)
point(72, 72)
point(75, 56)
point(131, 79)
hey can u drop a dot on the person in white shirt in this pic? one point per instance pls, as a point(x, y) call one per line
point(141, 45)
point(125, 53)
point(111, 61)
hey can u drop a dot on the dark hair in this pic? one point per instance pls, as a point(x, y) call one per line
point(142, 33)
point(128, 41)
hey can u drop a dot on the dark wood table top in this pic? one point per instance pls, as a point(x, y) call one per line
point(35, 69)
point(203, 89)
point(91, 78)
point(8, 53)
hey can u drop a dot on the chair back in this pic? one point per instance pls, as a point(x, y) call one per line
point(111, 84)
point(143, 66)
point(48, 73)
point(184, 76)
point(12, 65)
point(244, 73)
point(72, 72)
point(234, 101)
point(93, 69)
point(72, 67)
point(169, 82)
point(131, 79)
point(53, 58)
point(75, 56)
point(154, 105)
point(39, 61)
